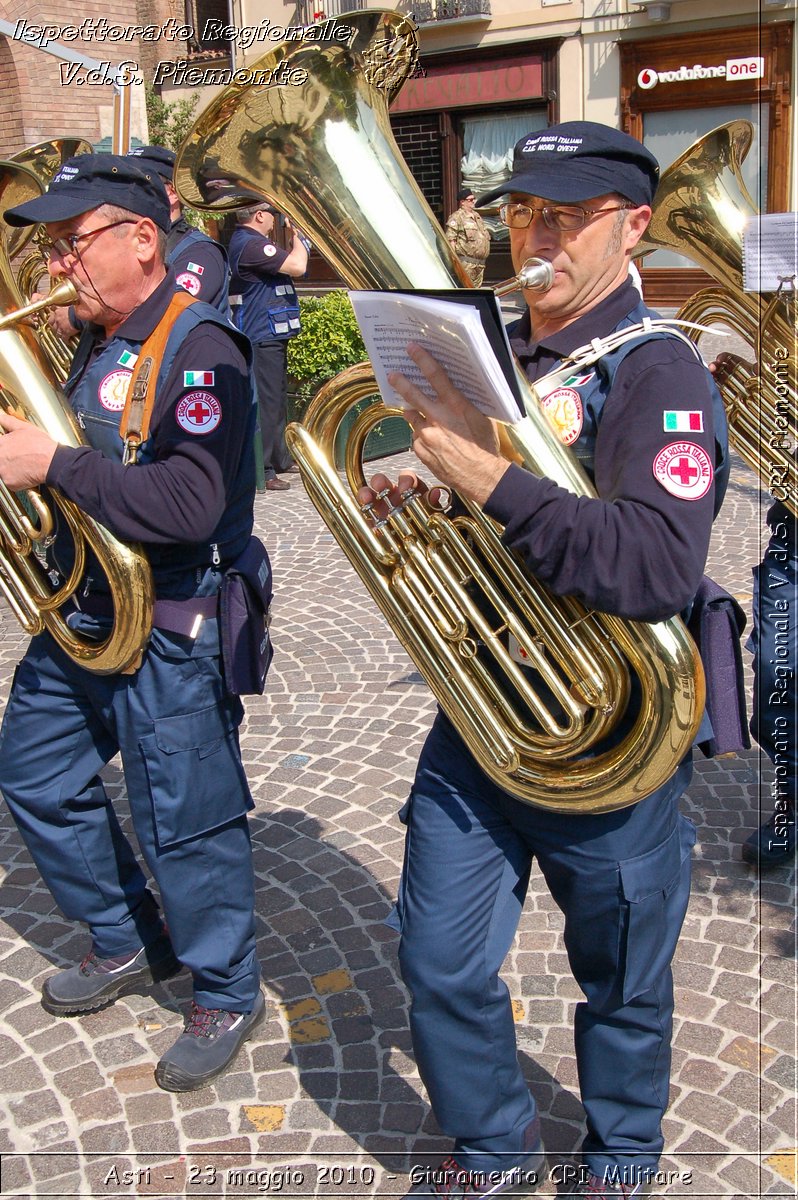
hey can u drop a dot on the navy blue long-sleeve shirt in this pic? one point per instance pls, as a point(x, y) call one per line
point(637, 550)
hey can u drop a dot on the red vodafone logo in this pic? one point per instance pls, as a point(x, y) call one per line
point(198, 412)
point(647, 79)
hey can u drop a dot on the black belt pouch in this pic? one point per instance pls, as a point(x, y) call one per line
point(244, 601)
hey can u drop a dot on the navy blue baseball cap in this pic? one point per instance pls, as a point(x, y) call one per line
point(89, 180)
point(156, 158)
point(580, 160)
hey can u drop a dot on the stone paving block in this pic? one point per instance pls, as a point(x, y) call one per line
point(784, 1072)
point(28, 1019)
point(86, 1078)
point(784, 1117)
point(748, 1055)
point(708, 1110)
point(750, 1092)
point(34, 1108)
point(126, 1049)
point(701, 1038)
point(138, 1078)
point(263, 1118)
point(783, 1036)
point(16, 1176)
point(155, 1106)
point(744, 1175)
point(110, 1138)
point(778, 1001)
point(47, 1162)
point(101, 1105)
point(786, 1165)
point(310, 1030)
point(152, 1137)
point(737, 1017)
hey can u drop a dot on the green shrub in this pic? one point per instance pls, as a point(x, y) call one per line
point(330, 340)
point(168, 120)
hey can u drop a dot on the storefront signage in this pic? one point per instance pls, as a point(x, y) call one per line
point(516, 78)
point(733, 70)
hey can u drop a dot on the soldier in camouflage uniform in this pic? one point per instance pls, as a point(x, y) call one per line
point(468, 236)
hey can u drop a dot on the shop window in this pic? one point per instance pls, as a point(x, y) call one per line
point(205, 17)
point(487, 160)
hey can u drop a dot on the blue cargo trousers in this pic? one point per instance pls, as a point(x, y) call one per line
point(177, 732)
point(622, 880)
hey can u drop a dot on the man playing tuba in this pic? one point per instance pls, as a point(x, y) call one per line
point(648, 426)
point(188, 498)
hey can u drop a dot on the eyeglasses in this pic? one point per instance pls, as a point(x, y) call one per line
point(564, 219)
point(68, 246)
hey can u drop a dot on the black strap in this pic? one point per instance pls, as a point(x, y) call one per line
point(175, 616)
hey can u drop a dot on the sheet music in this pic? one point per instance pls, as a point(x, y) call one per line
point(452, 333)
point(770, 252)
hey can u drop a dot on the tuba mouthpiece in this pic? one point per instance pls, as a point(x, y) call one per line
point(536, 275)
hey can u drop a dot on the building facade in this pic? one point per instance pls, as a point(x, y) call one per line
point(667, 71)
point(45, 95)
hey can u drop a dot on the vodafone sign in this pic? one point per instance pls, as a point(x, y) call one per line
point(733, 70)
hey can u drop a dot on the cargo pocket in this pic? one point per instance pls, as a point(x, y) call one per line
point(196, 779)
point(656, 889)
point(284, 321)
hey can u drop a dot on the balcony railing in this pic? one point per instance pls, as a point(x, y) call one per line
point(450, 10)
point(422, 11)
point(308, 12)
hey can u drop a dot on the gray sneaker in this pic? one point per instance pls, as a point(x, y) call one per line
point(99, 981)
point(206, 1047)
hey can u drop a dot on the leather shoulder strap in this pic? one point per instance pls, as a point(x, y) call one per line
point(134, 426)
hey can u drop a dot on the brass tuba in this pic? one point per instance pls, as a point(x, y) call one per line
point(700, 210)
point(28, 391)
point(321, 149)
point(43, 160)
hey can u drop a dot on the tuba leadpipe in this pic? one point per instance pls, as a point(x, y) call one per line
point(28, 524)
point(700, 210)
point(63, 293)
point(323, 152)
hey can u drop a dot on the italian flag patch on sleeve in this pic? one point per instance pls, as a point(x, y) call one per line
point(681, 421)
point(198, 379)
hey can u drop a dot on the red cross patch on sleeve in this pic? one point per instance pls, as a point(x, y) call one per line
point(684, 470)
point(198, 413)
point(189, 282)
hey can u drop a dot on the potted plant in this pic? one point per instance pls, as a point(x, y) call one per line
point(330, 341)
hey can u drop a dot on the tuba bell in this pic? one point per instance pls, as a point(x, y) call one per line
point(42, 161)
point(700, 210)
point(27, 526)
point(321, 149)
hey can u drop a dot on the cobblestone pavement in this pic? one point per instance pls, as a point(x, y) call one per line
point(326, 1100)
